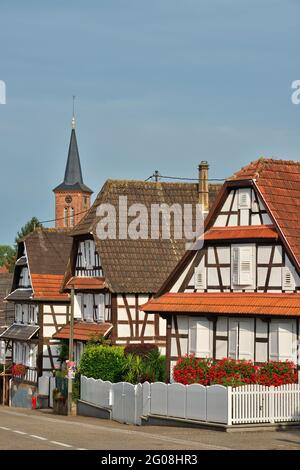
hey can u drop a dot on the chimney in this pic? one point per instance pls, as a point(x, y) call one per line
point(203, 186)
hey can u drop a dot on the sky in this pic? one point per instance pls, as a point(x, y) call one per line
point(159, 85)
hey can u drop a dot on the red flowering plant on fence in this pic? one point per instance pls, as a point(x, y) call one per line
point(18, 370)
point(231, 372)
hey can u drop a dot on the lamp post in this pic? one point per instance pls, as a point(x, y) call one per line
point(71, 350)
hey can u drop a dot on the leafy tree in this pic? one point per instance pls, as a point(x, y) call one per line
point(6, 253)
point(29, 227)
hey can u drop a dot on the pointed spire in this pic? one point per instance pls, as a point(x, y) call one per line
point(73, 116)
point(73, 180)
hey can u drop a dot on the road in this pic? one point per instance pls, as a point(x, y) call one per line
point(40, 430)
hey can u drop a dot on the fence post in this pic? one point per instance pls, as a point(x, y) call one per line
point(271, 403)
point(229, 406)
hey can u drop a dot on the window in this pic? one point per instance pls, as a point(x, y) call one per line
point(89, 307)
point(24, 280)
point(244, 199)
point(242, 265)
point(241, 339)
point(283, 340)
point(72, 218)
point(200, 277)
point(24, 353)
point(66, 217)
point(288, 281)
point(201, 337)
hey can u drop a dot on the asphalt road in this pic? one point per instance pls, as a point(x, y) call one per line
point(34, 430)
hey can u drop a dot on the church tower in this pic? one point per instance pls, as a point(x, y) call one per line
point(72, 197)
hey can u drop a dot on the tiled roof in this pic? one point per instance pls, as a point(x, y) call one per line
point(48, 286)
point(84, 331)
point(48, 252)
point(139, 265)
point(20, 332)
point(226, 303)
point(86, 283)
point(245, 232)
point(278, 182)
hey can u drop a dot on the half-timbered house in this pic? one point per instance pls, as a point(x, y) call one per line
point(238, 295)
point(40, 309)
point(112, 278)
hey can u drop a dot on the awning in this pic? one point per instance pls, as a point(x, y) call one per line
point(86, 283)
point(84, 331)
point(20, 332)
point(20, 294)
point(242, 232)
point(225, 303)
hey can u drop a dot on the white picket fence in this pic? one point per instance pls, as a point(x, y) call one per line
point(259, 404)
point(214, 404)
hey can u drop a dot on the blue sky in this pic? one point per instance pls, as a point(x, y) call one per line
point(160, 84)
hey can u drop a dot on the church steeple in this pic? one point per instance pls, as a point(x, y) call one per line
point(72, 196)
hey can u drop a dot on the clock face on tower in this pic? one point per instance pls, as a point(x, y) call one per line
point(68, 199)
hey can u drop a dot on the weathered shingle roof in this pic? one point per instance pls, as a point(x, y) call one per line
point(138, 265)
point(278, 182)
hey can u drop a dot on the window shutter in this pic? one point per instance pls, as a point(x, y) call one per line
point(244, 198)
point(204, 343)
point(246, 339)
point(274, 346)
point(78, 306)
point(200, 277)
point(286, 341)
point(288, 282)
point(88, 254)
point(192, 336)
point(88, 307)
point(100, 307)
point(235, 265)
point(233, 338)
point(245, 265)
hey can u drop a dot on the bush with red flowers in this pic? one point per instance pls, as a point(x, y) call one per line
point(18, 370)
point(231, 372)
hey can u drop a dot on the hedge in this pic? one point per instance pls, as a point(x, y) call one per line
point(103, 362)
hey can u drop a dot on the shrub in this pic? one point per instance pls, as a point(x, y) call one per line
point(231, 372)
point(103, 362)
point(140, 349)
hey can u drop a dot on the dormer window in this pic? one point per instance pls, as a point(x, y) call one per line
point(24, 280)
point(88, 261)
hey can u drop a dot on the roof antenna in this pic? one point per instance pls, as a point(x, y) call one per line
point(156, 176)
point(73, 117)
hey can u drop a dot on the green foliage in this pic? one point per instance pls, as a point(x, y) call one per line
point(29, 227)
point(111, 363)
point(98, 340)
point(63, 351)
point(7, 256)
point(103, 362)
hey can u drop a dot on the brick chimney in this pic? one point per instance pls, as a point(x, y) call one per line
point(203, 186)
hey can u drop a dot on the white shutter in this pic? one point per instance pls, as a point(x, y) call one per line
point(245, 265)
point(88, 254)
point(233, 338)
point(192, 336)
point(288, 281)
point(88, 300)
point(78, 306)
point(100, 304)
point(246, 339)
point(204, 338)
point(200, 277)
point(235, 265)
point(287, 341)
point(244, 198)
point(82, 251)
point(274, 346)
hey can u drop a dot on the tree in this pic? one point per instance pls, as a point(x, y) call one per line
point(7, 255)
point(28, 228)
